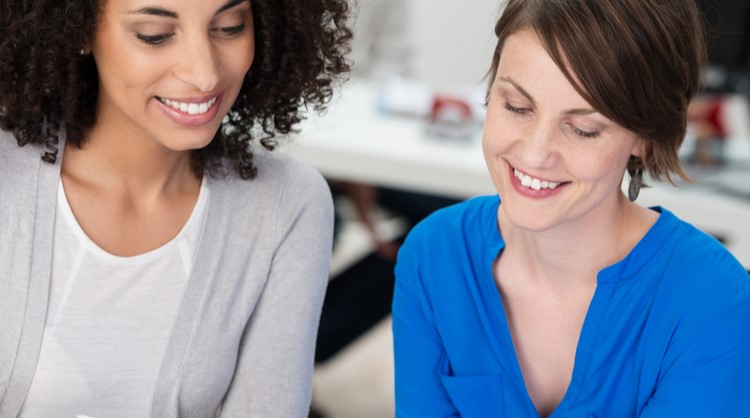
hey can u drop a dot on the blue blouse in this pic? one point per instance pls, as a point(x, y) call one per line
point(667, 333)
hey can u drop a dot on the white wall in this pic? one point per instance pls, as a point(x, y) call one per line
point(454, 39)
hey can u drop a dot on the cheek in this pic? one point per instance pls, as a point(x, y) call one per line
point(492, 143)
point(128, 68)
point(599, 169)
point(496, 134)
point(239, 59)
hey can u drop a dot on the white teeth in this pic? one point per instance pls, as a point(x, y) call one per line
point(536, 184)
point(189, 108)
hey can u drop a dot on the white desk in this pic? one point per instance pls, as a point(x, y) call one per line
point(714, 212)
point(353, 141)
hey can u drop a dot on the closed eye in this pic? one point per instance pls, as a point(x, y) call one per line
point(586, 134)
point(232, 31)
point(517, 110)
point(154, 40)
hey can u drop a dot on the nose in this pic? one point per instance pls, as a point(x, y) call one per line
point(199, 64)
point(538, 146)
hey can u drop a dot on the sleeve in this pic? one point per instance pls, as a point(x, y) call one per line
point(418, 350)
point(711, 377)
point(273, 377)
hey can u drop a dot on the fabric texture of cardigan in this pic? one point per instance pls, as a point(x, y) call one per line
point(245, 332)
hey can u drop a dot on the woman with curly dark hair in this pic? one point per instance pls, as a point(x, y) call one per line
point(157, 259)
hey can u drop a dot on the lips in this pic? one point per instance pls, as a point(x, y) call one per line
point(533, 183)
point(191, 112)
point(191, 108)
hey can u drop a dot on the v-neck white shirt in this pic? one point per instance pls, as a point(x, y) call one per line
point(109, 321)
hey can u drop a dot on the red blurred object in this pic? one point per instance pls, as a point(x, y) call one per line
point(714, 118)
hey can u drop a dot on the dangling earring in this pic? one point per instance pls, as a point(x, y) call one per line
point(636, 177)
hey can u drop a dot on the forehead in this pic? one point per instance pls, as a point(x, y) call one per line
point(525, 59)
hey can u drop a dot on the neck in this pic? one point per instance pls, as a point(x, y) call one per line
point(142, 166)
point(573, 253)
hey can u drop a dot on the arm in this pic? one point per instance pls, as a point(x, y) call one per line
point(418, 349)
point(711, 378)
point(365, 199)
point(273, 377)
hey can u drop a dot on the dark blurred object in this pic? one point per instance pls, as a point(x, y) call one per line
point(360, 296)
point(728, 30)
point(355, 301)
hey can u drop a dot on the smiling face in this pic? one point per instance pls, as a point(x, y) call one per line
point(553, 159)
point(170, 70)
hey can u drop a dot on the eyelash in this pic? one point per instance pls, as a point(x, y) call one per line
point(585, 134)
point(516, 110)
point(154, 40)
point(233, 30)
point(523, 112)
point(158, 40)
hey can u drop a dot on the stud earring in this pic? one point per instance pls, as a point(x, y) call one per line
point(636, 178)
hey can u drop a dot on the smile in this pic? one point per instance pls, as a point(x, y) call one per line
point(534, 183)
point(189, 108)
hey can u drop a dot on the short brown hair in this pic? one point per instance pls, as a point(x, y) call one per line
point(636, 61)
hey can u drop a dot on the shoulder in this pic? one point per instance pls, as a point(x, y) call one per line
point(702, 303)
point(19, 166)
point(697, 255)
point(698, 278)
point(456, 237)
point(282, 166)
point(15, 158)
point(444, 226)
point(279, 177)
point(286, 194)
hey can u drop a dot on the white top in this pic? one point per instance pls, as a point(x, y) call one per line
point(109, 321)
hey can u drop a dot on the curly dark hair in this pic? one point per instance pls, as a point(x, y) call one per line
point(46, 85)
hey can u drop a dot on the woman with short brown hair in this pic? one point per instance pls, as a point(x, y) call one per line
point(562, 297)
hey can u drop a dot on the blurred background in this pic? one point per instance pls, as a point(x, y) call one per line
point(402, 139)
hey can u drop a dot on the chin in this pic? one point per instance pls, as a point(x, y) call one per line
point(529, 220)
point(186, 143)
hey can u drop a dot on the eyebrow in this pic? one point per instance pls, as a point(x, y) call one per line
point(579, 112)
point(157, 11)
point(229, 5)
point(154, 11)
point(518, 87)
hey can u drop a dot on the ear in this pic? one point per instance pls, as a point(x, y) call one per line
point(640, 148)
point(86, 46)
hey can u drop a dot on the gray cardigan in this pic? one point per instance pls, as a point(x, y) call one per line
point(245, 331)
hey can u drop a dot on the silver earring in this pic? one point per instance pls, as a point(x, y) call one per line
point(635, 184)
